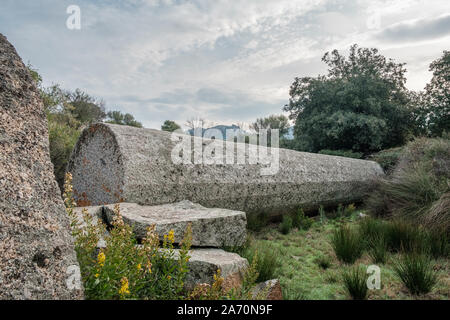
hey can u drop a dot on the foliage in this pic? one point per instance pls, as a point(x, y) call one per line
point(416, 272)
point(378, 249)
point(437, 97)
point(265, 261)
point(355, 282)
point(300, 221)
point(324, 262)
point(170, 126)
point(68, 112)
point(388, 158)
point(256, 221)
point(62, 139)
point(342, 153)
point(361, 105)
point(117, 117)
point(122, 269)
point(347, 244)
point(286, 224)
point(418, 191)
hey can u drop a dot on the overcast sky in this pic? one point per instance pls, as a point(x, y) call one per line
point(226, 61)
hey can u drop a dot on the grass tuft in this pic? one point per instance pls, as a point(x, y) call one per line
point(416, 272)
point(347, 244)
point(355, 282)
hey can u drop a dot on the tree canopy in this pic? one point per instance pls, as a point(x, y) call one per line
point(360, 105)
point(437, 96)
point(117, 117)
point(170, 126)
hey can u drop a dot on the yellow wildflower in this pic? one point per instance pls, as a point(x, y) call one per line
point(139, 267)
point(101, 259)
point(124, 289)
point(149, 267)
point(97, 275)
point(171, 236)
point(169, 277)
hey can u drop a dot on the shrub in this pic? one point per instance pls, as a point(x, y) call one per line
point(418, 190)
point(286, 225)
point(266, 261)
point(355, 282)
point(347, 244)
point(62, 139)
point(122, 269)
point(387, 159)
point(342, 153)
point(416, 272)
point(300, 221)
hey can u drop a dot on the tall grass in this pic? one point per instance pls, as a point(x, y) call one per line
point(418, 190)
point(416, 272)
point(347, 244)
point(355, 282)
point(286, 224)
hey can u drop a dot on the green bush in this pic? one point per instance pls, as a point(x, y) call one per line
point(387, 159)
point(123, 270)
point(418, 190)
point(300, 221)
point(62, 139)
point(266, 262)
point(286, 225)
point(342, 153)
point(355, 282)
point(347, 244)
point(416, 272)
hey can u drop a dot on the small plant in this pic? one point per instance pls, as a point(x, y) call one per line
point(286, 225)
point(324, 262)
point(355, 282)
point(371, 230)
point(378, 249)
point(266, 261)
point(292, 294)
point(438, 243)
point(347, 244)
point(322, 215)
point(256, 222)
point(349, 210)
point(405, 237)
point(416, 272)
point(301, 221)
point(123, 269)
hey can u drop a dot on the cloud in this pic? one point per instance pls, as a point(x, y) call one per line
point(423, 29)
point(228, 62)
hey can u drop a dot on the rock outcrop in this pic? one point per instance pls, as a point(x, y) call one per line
point(204, 263)
point(113, 163)
point(37, 259)
point(211, 227)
